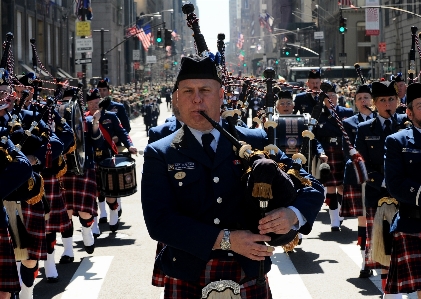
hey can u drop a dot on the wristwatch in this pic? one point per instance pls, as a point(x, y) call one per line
point(225, 243)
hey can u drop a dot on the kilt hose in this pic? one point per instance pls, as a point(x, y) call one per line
point(9, 279)
point(80, 192)
point(216, 269)
point(59, 220)
point(352, 202)
point(336, 161)
point(369, 263)
point(34, 221)
point(405, 264)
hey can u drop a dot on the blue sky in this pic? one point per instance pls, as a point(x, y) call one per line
point(213, 19)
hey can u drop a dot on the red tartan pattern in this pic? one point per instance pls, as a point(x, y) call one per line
point(59, 220)
point(352, 203)
point(9, 280)
point(34, 221)
point(369, 263)
point(336, 161)
point(405, 264)
point(216, 269)
point(158, 276)
point(80, 192)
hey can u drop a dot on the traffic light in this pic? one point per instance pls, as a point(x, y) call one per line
point(168, 41)
point(277, 61)
point(297, 58)
point(244, 64)
point(104, 65)
point(175, 63)
point(287, 52)
point(158, 36)
point(342, 25)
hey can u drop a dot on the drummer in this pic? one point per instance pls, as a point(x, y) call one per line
point(284, 104)
point(80, 191)
point(109, 125)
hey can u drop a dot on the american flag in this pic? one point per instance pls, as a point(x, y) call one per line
point(345, 3)
point(144, 35)
point(240, 41)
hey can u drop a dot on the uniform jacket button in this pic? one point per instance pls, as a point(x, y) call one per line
point(216, 179)
point(173, 259)
point(219, 200)
point(216, 221)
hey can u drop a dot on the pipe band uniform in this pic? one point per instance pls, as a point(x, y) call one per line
point(198, 215)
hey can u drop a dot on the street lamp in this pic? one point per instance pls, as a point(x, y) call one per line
point(372, 59)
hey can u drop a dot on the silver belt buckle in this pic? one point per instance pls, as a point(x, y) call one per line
point(334, 139)
point(221, 287)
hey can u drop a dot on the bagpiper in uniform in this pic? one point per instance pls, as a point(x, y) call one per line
point(109, 125)
point(329, 150)
point(400, 81)
point(80, 191)
point(352, 202)
point(402, 176)
point(14, 171)
point(370, 140)
point(304, 102)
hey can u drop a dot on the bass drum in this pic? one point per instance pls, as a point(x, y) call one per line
point(72, 113)
point(288, 132)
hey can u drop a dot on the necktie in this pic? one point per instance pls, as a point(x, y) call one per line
point(387, 129)
point(206, 141)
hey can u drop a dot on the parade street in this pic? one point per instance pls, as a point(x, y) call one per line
point(325, 266)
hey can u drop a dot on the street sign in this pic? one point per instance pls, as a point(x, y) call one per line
point(342, 58)
point(383, 60)
point(318, 35)
point(84, 45)
point(83, 61)
point(150, 59)
point(83, 28)
point(136, 54)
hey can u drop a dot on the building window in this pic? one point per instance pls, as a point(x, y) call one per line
point(49, 52)
point(246, 4)
point(30, 35)
point(19, 33)
point(409, 8)
point(57, 46)
point(386, 15)
point(362, 51)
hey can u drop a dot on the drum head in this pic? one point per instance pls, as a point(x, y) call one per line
point(116, 162)
point(78, 129)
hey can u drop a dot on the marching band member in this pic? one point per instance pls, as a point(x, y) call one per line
point(12, 174)
point(109, 125)
point(80, 191)
point(284, 104)
point(369, 143)
point(400, 81)
point(401, 169)
point(191, 222)
point(329, 149)
point(352, 202)
point(304, 102)
point(118, 108)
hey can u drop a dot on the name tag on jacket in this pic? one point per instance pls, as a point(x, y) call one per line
point(372, 137)
point(411, 150)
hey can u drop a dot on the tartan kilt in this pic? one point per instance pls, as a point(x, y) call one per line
point(405, 264)
point(352, 202)
point(336, 161)
point(80, 192)
point(34, 221)
point(215, 270)
point(9, 280)
point(369, 263)
point(158, 276)
point(59, 220)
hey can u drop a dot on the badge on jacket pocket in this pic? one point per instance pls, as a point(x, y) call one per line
point(372, 137)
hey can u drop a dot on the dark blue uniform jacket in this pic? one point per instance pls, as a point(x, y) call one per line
point(183, 213)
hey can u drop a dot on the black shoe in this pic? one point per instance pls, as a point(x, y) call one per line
point(103, 220)
point(365, 273)
point(114, 227)
point(120, 212)
point(300, 240)
point(335, 229)
point(96, 235)
point(65, 259)
point(52, 279)
point(90, 249)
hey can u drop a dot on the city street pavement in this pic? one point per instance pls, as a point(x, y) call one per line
point(325, 266)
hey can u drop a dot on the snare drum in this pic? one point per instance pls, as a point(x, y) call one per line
point(117, 176)
point(288, 132)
